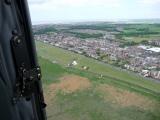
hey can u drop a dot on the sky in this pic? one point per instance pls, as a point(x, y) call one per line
point(63, 11)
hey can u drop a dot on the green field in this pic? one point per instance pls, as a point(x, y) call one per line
point(126, 34)
point(118, 95)
point(64, 57)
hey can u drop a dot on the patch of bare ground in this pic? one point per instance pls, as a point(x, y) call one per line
point(67, 84)
point(125, 98)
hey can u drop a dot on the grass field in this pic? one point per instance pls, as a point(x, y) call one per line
point(137, 33)
point(64, 57)
point(140, 39)
point(75, 94)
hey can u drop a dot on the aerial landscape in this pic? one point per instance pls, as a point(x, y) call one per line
point(100, 70)
point(134, 47)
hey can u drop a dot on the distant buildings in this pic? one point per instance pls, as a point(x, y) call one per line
point(140, 58)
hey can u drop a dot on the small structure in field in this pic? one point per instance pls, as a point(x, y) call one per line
point(54, 62)
point(73, 63)
point(85, 67)
point(101, 76)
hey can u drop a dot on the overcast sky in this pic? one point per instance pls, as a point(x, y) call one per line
point(59, 11)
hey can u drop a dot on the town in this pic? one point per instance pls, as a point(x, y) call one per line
point(141, 58)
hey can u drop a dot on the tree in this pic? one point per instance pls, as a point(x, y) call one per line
point(98, 52)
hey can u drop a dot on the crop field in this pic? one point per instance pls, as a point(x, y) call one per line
point(102, 92)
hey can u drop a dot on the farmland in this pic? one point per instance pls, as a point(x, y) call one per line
point(125, 32)
point(75, 94)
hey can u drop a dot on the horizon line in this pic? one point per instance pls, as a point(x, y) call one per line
point(142, 20)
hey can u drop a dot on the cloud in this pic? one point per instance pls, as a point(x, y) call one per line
point(48, 10)
point(150, 2)
point(37, 1)
point(77, 3)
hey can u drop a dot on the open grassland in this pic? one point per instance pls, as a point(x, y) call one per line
point(64, 57)
point(141, 39)
point(79, 95)
point(76, 94)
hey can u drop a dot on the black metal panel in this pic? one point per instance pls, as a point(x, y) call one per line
point(17, 50)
